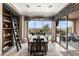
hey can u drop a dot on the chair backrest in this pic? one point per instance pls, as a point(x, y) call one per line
point(38, 40)
point(38, 43)
point(41, 40)
point(35, 40)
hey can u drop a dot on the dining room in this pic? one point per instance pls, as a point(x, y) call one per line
point(31, 29)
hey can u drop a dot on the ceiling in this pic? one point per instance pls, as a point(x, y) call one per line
point(39, 9)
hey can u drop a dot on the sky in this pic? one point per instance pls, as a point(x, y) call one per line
point(40, 24)
point(64, 24)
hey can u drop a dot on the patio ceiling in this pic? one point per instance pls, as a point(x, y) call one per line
point(39, 9)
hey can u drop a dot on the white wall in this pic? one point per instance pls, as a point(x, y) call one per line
point(0, 29)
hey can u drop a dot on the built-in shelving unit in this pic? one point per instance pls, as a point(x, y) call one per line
point(8, 30)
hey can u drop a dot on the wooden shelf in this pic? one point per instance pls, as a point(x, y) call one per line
point(7, 21)
point(7, 42)
point(6, 28)
point(6, 49)
point(7, 35)
point(6, 14)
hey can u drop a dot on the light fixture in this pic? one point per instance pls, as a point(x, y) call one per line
point(49, 6)
point(38, 6)
point(27, 6)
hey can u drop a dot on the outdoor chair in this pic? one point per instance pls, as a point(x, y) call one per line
point(74, 37)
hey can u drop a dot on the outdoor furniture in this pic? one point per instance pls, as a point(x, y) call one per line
point(74, 37)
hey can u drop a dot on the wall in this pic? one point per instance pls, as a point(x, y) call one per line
point(0, 29)
point(77, 26)
point(75, 16)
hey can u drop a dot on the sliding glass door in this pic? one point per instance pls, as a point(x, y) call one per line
point(66, 34)
point(39, 27)
point(61, 35)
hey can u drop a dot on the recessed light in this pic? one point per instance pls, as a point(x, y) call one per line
point(27, 6)
point(38, 6)
point(49, 6)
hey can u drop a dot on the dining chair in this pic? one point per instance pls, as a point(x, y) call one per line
point(38, 47)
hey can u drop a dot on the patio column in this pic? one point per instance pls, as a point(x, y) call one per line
point(53, 30)
point(26, 29)
point(23, 29)
point(74, 25)
point(23, 23)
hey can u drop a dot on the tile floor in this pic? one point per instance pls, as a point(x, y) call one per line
point(54, 49)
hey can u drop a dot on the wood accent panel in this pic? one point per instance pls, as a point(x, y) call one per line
point(67, 10)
